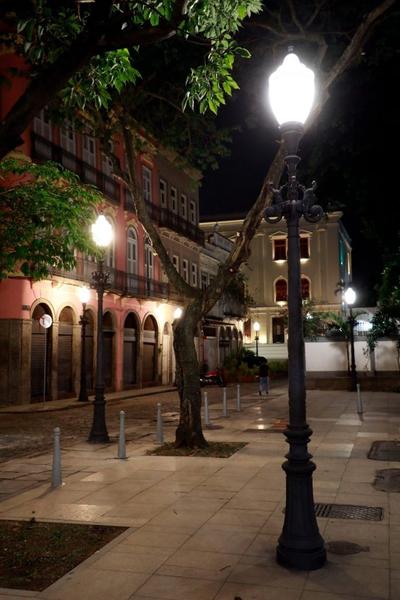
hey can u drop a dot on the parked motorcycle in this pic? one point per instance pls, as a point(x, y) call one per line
point(212, 378)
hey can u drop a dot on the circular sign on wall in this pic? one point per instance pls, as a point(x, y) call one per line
point(46, 321)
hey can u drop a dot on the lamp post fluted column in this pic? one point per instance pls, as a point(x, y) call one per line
point(98, 433)
point(300, 543)
point(353, 370)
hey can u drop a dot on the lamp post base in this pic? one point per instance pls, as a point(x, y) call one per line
point(300, 545)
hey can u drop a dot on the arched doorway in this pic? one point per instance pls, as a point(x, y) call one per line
point(108, 347)
point(89, 348)
point(40, 354)
point(130, 350)
point(150, 351)
point(64, 354)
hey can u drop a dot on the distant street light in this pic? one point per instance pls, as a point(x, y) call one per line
point(256, 328)
point(291, 94)
point(178, 312)
point(84, 295)
point(349, 298)
point(102, 235)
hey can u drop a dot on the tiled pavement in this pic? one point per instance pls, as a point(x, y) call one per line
point(206, 528)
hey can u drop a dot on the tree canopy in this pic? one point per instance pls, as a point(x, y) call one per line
point(45, 217)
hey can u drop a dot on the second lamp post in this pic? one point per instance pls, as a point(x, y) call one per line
point(349, 298)
point(102, 235)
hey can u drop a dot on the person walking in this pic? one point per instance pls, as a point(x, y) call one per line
point(263, 374)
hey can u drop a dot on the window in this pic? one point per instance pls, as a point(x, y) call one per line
point(163, 193)
point(67, 137)
point(131, 251)
point(146, 183)
point(192, 212)
point(185, 270)
point(89, 150)
point(305, 288)
point(194, 275)
point(305, 247)
point(109, 257)
point(204, 280)
point(42, 125)
point(280, 249)
point(183, 206)
point(148, 261)
point(106, 162)
point(174, 200)
point(281, 290)
point(175, 262)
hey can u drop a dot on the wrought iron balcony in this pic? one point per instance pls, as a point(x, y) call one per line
point(120, 282)
point(43, 149)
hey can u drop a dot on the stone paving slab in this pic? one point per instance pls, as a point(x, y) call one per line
point(206, 529)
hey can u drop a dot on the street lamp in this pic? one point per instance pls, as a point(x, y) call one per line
point(84, 295)
point(291, 93)
point(102, 235)
point(349, 298)
point(256, 328)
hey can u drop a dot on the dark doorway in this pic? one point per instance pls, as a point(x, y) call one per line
point(278, 330)
point(150, 335)
point(41, 348)
point(130, 350)
point(108, 352)
point(89, 350)
point(64, 358)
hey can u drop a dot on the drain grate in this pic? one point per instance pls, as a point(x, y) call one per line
point(348, 511)
point(385, 450)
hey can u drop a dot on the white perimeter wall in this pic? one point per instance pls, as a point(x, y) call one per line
point(331, 356)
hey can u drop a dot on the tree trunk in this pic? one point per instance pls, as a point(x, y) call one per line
point(189, 431)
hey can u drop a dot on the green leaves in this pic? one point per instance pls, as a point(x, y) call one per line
point(46, 212)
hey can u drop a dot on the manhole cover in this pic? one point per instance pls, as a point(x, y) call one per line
point(349, 511)
point(385, 451)
point(343, 547)
point(387, 480)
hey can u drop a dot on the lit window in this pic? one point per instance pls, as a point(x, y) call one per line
point(281, 290)
point(185, 270)
point(280, 252)
point(192, 212)
point(175, 262)
point(174, 200)
point(146, 183)
point(131, 251)
point(305, 288)
point(183, 206)
point(148, 261)
point(194, 275)
point(163, 193)
point(304, 247)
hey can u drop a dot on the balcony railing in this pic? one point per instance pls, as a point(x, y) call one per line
point(45, 150)
point(120, 282)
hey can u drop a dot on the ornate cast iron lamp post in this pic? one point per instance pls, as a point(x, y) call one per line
point(349, 298)
point(102, 235)
point(84, 295)
point(291, 93)
point(256, 328)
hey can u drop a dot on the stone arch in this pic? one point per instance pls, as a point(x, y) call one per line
point(167, 359)
point(305, 287)
point(280, 289)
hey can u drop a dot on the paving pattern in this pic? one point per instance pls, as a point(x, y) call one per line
point(207, 528)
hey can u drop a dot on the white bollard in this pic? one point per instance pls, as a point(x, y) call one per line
point(224, 404)
point(56, 478)
point(121, 441)
point(238, 397)
point(206, 412)
point(360, 408)
point(160, 433)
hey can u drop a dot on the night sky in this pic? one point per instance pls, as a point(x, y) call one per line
point(349, 151)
